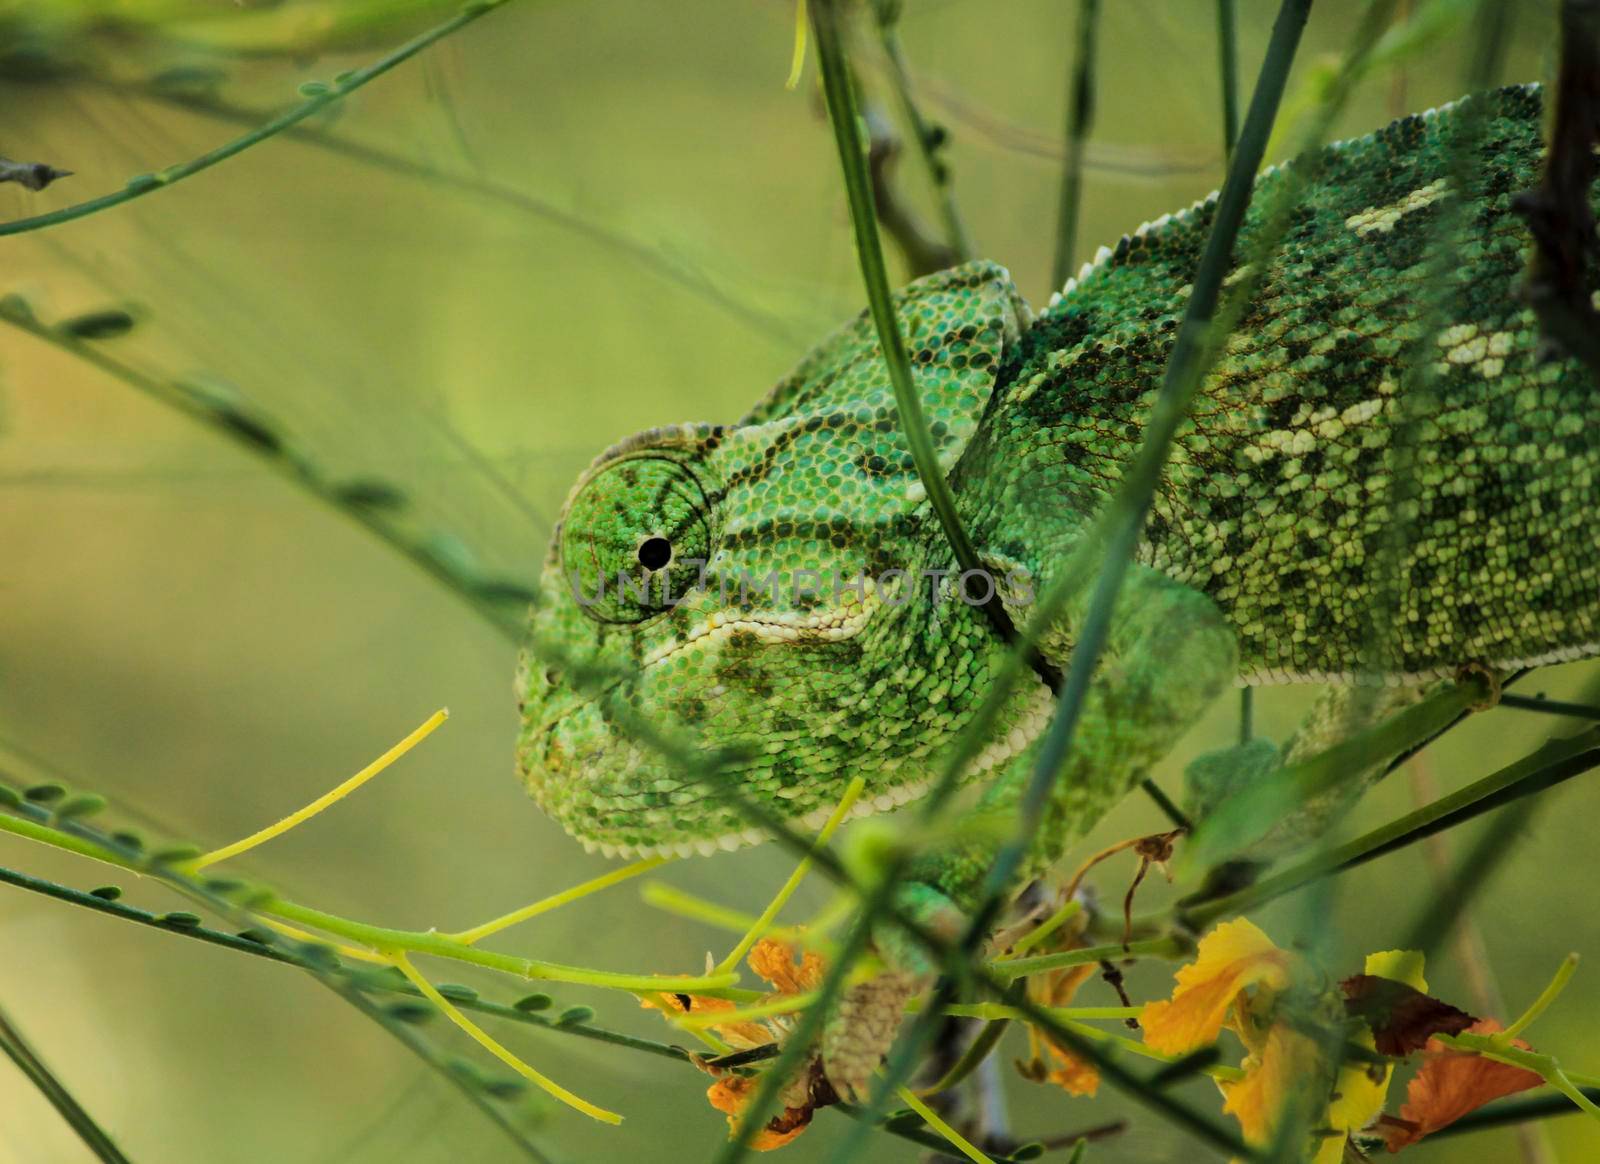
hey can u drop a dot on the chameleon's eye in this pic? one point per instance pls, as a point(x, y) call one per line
point(636, 538)
point(655, 553)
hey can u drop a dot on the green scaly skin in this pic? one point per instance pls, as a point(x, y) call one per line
point(1258, 561)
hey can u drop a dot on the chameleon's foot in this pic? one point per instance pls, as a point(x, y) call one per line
point(1213, 777)
point(862, 1029)
point(864, 1024)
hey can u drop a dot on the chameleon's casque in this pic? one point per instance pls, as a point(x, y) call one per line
point(1288, 501)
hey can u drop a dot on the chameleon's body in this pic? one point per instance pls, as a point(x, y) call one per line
point(1259, 560)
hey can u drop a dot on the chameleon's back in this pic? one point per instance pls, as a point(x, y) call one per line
point(1278, 502)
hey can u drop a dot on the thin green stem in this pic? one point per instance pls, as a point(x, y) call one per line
point(1079, 120)
point(840, 96)
point(1228, 67)
point(1552, 763)
point(334, 92)
point(27, 1060)
point(445, 946)
point(1545, 1066)
point(977, 1051)
point(1243, 817)
point(556, 900)
point(1563, 975)
point(1514, 1112)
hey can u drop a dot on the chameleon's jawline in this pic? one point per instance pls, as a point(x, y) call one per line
point(996, 753)
point(731, 842)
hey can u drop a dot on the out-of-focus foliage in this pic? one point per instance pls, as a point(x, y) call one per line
point(567, 223)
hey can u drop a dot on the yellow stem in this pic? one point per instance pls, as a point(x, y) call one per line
point(344, 951)
point(555, 900)
point(797, 62)
point(488, 1043)
point(957, 1140)
point(762, 923)
point(785, 1004)
point(324, 801)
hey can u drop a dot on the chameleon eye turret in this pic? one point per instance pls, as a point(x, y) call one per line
point(635, 538)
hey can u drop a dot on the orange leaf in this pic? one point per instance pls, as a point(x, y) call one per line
point(732, 1093)
point(742, 1035)
point(774, 961)
point(1232, 958)
point(1075, 1076)
point(1451, 1084)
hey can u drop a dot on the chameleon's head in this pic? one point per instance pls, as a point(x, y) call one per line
point(740, 588)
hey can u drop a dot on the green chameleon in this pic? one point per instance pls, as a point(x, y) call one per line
point(781, 582)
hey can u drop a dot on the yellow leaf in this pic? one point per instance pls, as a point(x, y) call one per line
point(1231, 959)
point(1400, 965)
point(1272, 1079)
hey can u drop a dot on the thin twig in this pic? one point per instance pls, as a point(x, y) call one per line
point(929, 139)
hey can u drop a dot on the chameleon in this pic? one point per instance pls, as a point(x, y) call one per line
point(781, 583)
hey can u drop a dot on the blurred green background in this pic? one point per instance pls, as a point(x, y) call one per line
point(189, 635)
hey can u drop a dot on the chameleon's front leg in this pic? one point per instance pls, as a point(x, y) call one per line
point(1169, 654)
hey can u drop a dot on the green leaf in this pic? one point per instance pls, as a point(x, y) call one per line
point(172, 854)
point(414, 1013)
point(97, 325)
point(575, 1016)
point(533, 1002)
point(81, 805)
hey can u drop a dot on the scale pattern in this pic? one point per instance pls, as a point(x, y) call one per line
point(1281, 492)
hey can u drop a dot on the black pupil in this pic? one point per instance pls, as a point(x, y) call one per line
point(654, 553)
